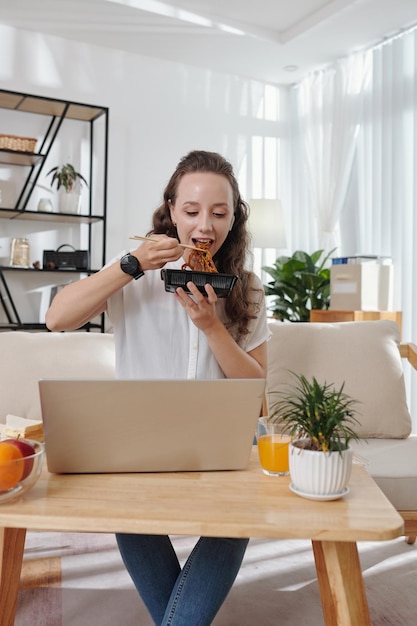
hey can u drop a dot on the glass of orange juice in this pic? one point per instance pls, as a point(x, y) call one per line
point(273, 448)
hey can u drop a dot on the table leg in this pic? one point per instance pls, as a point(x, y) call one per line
point(341, 583)
point(12, 543)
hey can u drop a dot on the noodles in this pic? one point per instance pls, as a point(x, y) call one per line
point(200, 260)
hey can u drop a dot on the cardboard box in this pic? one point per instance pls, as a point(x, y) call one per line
point(361, 287)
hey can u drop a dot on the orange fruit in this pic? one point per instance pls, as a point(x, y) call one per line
point(11, 465)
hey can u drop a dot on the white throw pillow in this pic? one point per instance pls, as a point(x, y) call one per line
point(364, 355)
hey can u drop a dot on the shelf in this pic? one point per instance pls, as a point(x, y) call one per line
point(58, 111)
point(47, 216)
point(39, 326)
point(50, 106)
point(14, 268)
point(15, 157)
point(23, 326)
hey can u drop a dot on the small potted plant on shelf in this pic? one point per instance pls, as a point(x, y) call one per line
point(321, 419)
point(68, 182)
point(300, 282)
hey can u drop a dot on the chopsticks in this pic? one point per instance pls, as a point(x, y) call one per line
point(183, 245)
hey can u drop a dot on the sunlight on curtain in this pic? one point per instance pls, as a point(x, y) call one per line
point(386, 181)
point(386, 162)
point(265, 158)
point(260, 172)
point(329, 107)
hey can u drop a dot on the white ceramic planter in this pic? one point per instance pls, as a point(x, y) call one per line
point(320, 473)
point(69, 201)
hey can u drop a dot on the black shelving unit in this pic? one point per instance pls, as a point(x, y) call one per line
point(14, 321)
point(56, 112)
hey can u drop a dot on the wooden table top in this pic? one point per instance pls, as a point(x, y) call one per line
point(232, 503)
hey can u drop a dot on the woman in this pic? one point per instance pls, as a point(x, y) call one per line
point(164, 335)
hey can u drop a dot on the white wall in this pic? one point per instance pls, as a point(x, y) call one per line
point(159, 110)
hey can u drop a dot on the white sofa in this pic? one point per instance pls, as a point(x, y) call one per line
point(363, 354)
point(27, 357)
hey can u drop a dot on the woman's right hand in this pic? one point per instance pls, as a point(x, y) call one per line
point(153, 255)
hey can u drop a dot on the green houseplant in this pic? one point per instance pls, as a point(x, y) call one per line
point(68, 183)
point(321, 420)
point(300, 282)
point(66, 176)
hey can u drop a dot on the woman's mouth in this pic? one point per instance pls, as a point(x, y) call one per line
point(202, 243)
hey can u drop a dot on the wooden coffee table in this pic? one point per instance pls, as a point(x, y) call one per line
point(224, 504)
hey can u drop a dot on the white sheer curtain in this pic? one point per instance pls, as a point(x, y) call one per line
point(386, 178)
point(386, 186)
point(365, 188)
point(329, 109)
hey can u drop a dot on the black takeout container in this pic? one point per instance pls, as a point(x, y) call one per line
point(221, 283)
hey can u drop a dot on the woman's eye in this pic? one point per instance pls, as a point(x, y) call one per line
point(219, 215)
point(191, 213)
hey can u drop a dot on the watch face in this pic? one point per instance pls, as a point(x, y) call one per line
point(130, 265)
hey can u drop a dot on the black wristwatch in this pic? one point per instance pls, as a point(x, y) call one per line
point(129, 264)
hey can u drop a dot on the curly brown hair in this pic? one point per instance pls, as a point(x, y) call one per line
point(241, 305)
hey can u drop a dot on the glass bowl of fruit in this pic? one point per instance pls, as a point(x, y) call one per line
point(20, 466)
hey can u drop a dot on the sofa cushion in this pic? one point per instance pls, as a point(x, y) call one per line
point(27, 357)
point(392, 463)
point(364, 355)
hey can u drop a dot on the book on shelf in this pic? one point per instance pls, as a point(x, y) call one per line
point(362, 258)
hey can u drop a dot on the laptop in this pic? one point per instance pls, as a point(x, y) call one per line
point(100, 426)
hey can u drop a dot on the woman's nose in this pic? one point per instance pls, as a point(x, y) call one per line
point(205, 222)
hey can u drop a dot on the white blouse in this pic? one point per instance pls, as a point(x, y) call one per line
point(155, 338)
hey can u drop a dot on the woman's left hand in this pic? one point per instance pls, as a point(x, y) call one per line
point(201, 309)
point(232, 359)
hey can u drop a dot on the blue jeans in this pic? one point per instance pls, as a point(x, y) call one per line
point(190, 596)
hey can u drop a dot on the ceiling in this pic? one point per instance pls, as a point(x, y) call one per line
point(277, 41)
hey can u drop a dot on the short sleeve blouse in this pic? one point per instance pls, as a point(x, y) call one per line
point(155, 338)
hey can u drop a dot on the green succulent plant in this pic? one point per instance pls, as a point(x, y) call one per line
point(316, 412)
point(299, 283)
point(65, 176)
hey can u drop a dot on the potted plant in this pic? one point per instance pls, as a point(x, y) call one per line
point(68, 182)
point(300, 283)
point(321, 420)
